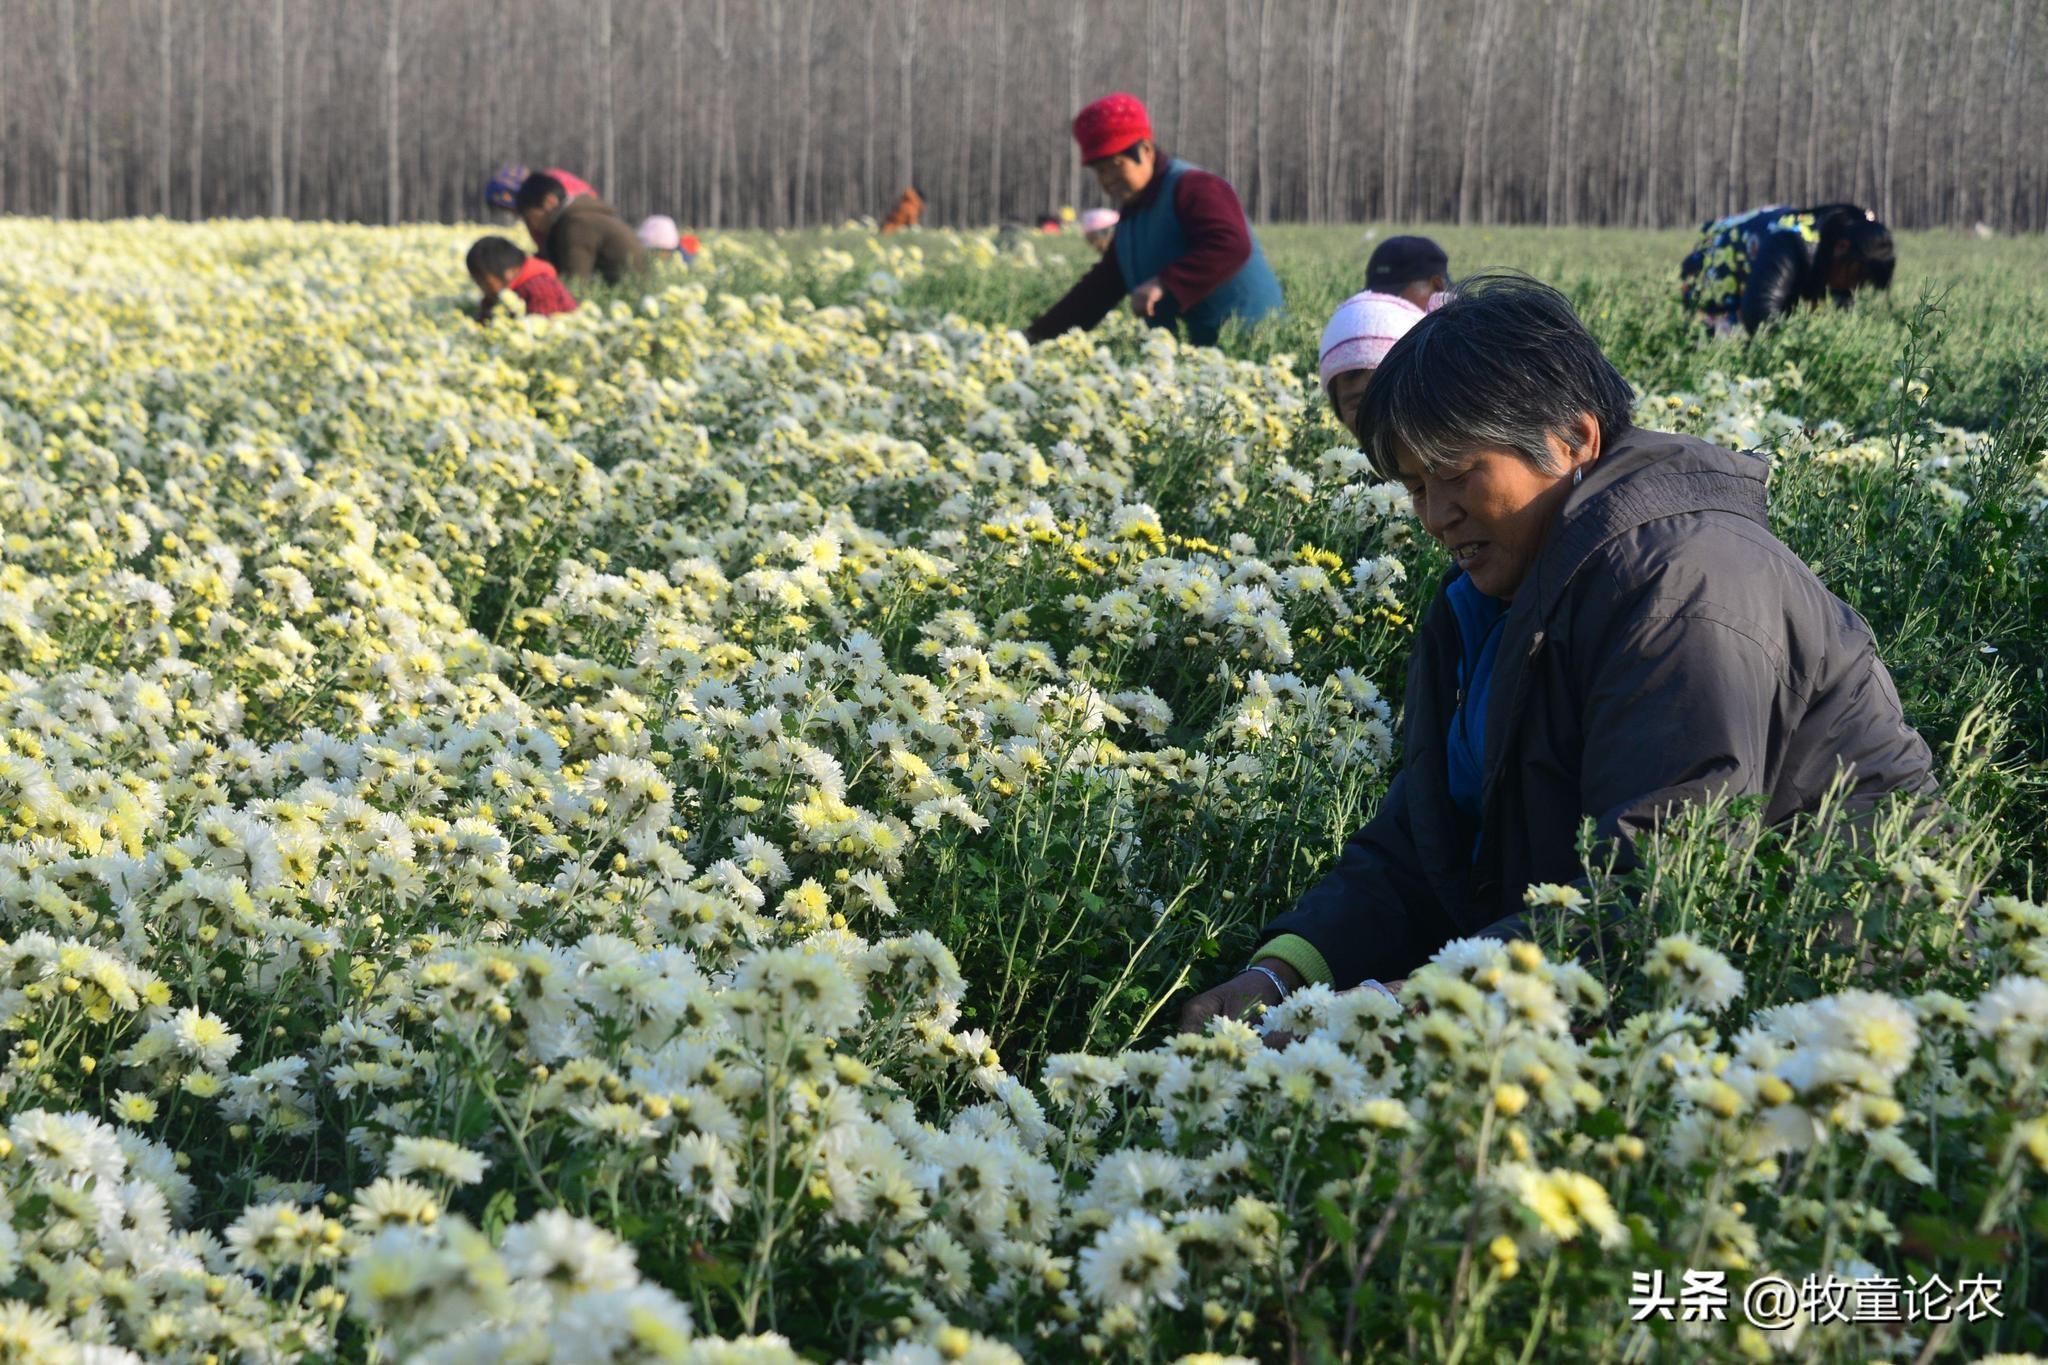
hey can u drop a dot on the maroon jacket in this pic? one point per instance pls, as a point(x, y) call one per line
point(1214, 222)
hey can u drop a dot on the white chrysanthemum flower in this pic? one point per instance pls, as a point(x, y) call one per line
point(1133, 1263)
point(2013, 1014)
point(386, 1201)
point(702, 1168)
point(435, 1157)
point(268, 1238)
point(1564, 1201)
point(567, 1255)
point(1892, 1149)
point(810, 990)
point(1477, 960)
point(1702, 978)
point(70, 1148)
point(640, 1322)
point(33, 1334)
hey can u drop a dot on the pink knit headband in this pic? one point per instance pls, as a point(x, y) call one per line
point(1363, 329)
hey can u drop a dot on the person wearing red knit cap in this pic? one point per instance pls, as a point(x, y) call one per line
point(1183, 253)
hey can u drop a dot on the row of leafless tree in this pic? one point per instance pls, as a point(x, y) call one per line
point(788, 112)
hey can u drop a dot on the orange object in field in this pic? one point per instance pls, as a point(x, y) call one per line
point(909, 208)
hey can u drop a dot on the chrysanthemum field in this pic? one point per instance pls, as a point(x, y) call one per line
point(678, 832)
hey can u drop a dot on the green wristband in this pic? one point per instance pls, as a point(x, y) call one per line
point(1298, 953)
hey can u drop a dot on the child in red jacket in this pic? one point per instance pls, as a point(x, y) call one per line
point(497, 265)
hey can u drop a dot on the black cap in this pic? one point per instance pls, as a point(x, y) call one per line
point(1400, 261)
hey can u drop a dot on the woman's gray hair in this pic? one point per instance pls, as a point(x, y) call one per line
point(1504, 364)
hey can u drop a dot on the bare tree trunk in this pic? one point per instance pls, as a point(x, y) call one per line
point(869, 193)
point(803, 144)
point(1896, 40)
point(197, 166)
point(1553, 158)
point(277, 118)
point(680, 56)
point(95, 183)
point(606, 110)
point(721, 111)
point(2013, 168)
point(1181, 68)
point(1781, 161)
point(1390, 154)
point(392, 67)
point(778, 169)
point(1575, 100)
point(956, 197)
point(1404, 132)
point(999, 127)
point(1231, 97)
point(1333, 122)
point(1260, 122)
point(1866, 166)
point(1815, 97)
point(1737, 184)
point(1311, 107)
point(1961, 158)
point(68, 105)
point(2009, 121)
point(1489, 207)
point(1705, 192)
point(1930, 202)
point(296, 208)
point(1468, 158)
point(1652, 214)
point(1151, 55)
point(906, 70)
point(6, 170)
point(1077, 31)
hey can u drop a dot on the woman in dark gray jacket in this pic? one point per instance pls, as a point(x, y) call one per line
point(1620, 633)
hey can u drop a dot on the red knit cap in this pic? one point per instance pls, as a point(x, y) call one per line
point(1114, 123)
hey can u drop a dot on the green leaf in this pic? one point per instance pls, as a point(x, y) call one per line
point(1335, 1222)
point(500, 1213)
point(1944, 1240)
point(1607, 1123)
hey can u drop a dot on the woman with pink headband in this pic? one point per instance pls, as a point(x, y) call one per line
point(1406, 278)
point(1361, 332)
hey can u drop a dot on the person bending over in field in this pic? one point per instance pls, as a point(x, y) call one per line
point(501, 191)
point(664, 241)
point(1405, 278)
point(1755, 266)
point(906, 212)
point(497, 266)
point(1183, 253)
point(1619, 632)
point(1413, 268)
point(579, 237)
point(1098, 228)
point(1359, 335)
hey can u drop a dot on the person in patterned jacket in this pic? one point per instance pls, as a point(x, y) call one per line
point(1754, 266)
point(501, 191)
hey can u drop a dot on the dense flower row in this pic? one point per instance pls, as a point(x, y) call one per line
point(574, 840)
